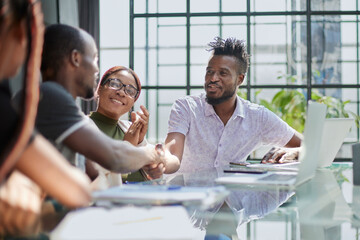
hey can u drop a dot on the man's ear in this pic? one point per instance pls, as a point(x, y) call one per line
point(75, 58)
point(240, 79)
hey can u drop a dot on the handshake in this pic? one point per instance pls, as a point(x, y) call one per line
point(156, 169)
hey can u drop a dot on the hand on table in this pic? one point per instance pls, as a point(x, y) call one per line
point(281, 155)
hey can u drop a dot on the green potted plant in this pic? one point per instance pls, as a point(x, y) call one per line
point(290, 105)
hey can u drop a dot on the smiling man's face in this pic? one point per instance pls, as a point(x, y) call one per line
point(221, 79)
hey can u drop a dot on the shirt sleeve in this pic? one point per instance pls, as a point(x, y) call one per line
point(58, 115)
point(179, 120)
point(274, 130)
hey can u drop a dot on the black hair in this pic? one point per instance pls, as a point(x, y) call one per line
point(17, 8)
point(20, 10)
point(59, 42)
point(232, 47)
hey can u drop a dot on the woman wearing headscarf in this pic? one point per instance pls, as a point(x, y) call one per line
point(116, 93)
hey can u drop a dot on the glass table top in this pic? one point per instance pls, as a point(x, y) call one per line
point(326, 207)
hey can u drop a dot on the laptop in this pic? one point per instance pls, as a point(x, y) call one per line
point(308, 156)
point(334, 132)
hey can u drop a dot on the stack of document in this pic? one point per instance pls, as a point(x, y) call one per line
point(127, 223)
point(162, 195)
point(292, 166)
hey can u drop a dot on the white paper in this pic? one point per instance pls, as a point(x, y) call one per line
point(127, 223)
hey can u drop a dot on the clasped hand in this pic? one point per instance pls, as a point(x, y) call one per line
point(156, 170)
point(139, 126)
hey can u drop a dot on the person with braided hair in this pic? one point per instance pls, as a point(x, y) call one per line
point(25, 154)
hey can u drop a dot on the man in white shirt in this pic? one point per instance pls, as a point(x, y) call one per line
point(213, 129)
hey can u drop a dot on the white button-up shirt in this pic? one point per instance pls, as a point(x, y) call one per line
point(208, 143)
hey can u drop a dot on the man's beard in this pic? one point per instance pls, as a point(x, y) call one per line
point(89, 93)
point(226, 96)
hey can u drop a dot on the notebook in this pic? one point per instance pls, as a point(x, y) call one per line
point(334, 132)
point(291, 166)
point(308, 156)
point(138, 194)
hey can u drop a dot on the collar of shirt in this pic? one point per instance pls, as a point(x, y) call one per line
point(102, 118)
point(239, 110)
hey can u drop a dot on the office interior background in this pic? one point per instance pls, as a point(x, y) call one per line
point(300, 50)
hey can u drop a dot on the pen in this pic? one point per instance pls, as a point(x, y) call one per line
point(127, 182)
point(173, 187)
point(240, 163)
point(167, 187)
point(138, 221)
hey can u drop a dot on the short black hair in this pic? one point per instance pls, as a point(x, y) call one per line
point(232, 47)
point(59, 41)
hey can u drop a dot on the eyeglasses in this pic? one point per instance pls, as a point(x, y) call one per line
point(116, 84)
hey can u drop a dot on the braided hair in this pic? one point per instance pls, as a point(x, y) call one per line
point(232, 47)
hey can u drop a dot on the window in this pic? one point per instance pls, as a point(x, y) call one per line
point(311, 46)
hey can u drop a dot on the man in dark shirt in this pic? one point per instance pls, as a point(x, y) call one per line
point(69, 69)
